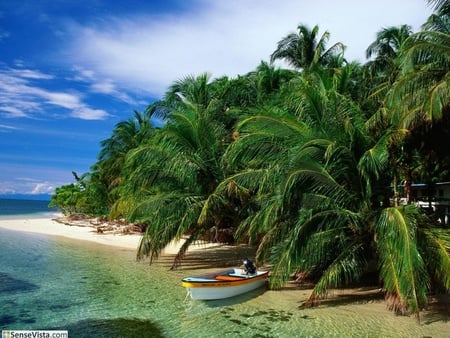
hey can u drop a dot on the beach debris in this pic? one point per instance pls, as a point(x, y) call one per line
point(101, 225)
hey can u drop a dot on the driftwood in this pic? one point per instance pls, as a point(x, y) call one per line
point(102, 225)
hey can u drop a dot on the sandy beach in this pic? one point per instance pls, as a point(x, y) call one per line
point(86, 230)
point(206, 257)
point(200, 255)
point(49, 226)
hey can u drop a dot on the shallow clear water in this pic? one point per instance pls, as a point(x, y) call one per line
point(98, 291)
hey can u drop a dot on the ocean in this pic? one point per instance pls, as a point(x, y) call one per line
point(91, 290)
point(13, 208)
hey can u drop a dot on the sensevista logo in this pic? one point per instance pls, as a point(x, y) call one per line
point(34, 334)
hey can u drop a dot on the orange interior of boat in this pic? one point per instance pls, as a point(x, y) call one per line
point(228, 278)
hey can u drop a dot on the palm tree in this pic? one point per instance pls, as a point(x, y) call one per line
point(420, 94)
point(313, 175)
point(303, 50)
point(269, 80)
point(388, 43)
point(171, 176)
point(423, 90)
point(192, 89)
point(438, 22)
point(126, 136)
point(442, 6)
point(383, 70)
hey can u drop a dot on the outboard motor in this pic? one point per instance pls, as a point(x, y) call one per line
point(249, 266)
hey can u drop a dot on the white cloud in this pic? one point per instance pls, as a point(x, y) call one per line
point(32, 74)
point(31, 188)
point(101, 85)
point(43, 188)
point(231, 37)
point(86, 113)
point(16, 179)
point(7, 127)
point(6, 188)
point(108, 87)
point(105, 87)
point(12, 112)
point(65, 100)
point(21, 96)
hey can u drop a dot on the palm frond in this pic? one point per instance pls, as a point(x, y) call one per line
point(402, 268)
point(347, 267)
point(435, 245)
point(168, 216)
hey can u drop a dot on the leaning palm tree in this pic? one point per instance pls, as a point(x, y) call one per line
point(171, 176)
point(314, 210)
point(305, 50)
point(125, 136)
point(185, 164)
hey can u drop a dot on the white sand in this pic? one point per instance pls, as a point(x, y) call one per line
point(48, 226)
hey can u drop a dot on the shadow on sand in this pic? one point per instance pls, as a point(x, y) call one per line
point(217, 256)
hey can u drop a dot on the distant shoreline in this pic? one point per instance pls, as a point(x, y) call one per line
point(49, 226)
point(55, 224)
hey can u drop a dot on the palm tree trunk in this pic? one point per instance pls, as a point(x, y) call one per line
point(408, 184)
point(396, 194)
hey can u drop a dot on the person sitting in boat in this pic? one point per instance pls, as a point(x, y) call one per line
point(249, 267)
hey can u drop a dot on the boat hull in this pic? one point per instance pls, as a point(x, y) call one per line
point(224, 284)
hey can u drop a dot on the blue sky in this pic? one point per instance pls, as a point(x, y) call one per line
point(70, 70)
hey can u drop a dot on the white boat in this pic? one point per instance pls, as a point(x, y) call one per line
point(223, 284)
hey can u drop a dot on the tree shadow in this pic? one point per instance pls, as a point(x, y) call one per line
point(364, 295)
point(9, 284)
point(438, 310)
point(360, 295)
point(218, 256)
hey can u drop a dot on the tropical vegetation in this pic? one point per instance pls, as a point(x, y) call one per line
point(304, 163)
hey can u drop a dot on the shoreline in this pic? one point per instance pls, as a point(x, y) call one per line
point(92, 230)
point(52, 227)
point(207, 257)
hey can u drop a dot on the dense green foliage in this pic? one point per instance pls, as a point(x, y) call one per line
point(296, 162)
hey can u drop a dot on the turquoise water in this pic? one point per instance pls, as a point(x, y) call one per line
point(99, 291)
point(47, 283)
